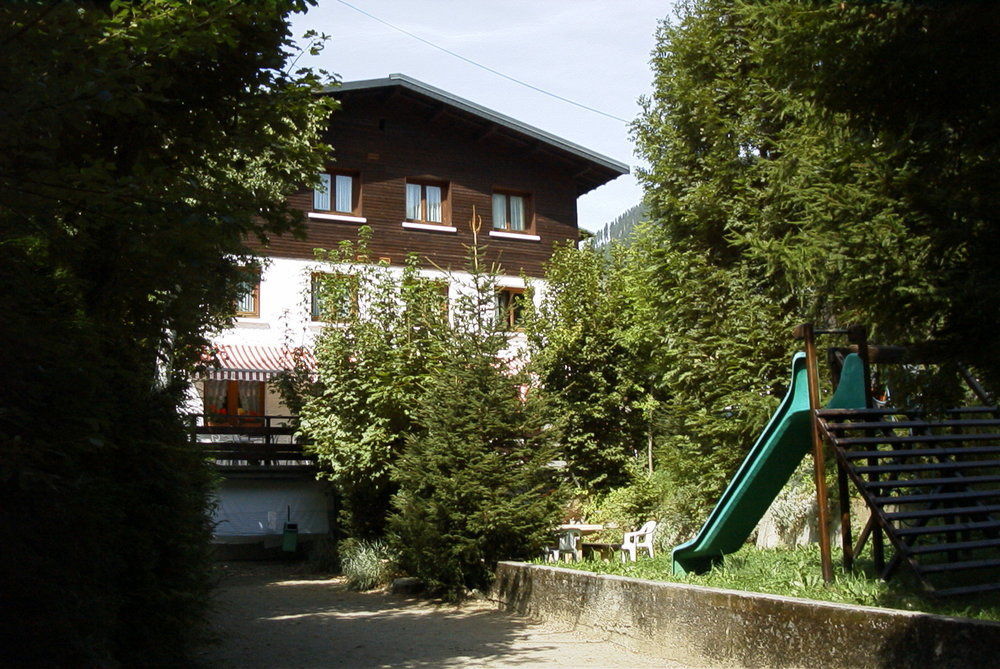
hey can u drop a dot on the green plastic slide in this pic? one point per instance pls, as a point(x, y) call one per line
point(767, 467)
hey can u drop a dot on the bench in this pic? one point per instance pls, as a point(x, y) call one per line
point(603, 551)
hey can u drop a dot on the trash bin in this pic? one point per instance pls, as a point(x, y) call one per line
point(290, 538)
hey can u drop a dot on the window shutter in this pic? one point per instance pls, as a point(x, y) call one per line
point(321, 194)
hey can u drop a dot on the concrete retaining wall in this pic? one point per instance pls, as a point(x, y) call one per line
point(697, 626)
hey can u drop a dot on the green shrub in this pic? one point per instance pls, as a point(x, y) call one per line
point(103, 498)
point(123, 226)
point(365, 563)
point(474, 488)
point(359, 414)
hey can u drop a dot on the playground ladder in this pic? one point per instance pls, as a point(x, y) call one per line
point(933, 486)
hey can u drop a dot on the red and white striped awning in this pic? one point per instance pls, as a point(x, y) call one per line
point(236, 362)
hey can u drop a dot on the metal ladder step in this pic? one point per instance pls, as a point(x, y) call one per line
point(936, 497)
point(845, 442)
point(920, 483)
point(951, 527)
point(902, 454)
point(967, 590)
point(895, 411)
point(955, 546)
point(959, 566)
point(952, 510)
point(929, 467)
point(913, 424)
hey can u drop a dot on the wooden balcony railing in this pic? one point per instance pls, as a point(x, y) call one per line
point(250, 442)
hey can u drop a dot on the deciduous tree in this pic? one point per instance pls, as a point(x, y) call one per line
point(141, 144)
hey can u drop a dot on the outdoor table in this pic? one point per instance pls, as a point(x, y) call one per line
point(567, 532)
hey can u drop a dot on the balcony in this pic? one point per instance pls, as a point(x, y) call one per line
point(252, 444)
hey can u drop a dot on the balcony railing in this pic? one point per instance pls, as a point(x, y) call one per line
point(250, 442)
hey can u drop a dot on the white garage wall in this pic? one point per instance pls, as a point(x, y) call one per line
point(248, 508)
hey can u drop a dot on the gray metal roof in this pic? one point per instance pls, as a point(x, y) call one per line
point(618, 168)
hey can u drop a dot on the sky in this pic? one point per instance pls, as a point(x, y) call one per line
point(595, 52)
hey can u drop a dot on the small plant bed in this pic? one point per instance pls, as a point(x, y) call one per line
point(795, 572)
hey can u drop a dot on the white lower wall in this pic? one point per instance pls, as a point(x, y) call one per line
point(250, 509)
point(285, 298)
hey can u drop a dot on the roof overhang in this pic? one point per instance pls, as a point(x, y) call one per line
point(590, 169)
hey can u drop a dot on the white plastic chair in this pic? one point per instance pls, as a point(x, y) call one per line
point(642, 538)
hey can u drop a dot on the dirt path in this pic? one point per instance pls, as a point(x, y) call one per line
point(274, 615)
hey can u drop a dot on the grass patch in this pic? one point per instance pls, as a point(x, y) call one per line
point(365, 564)
point(795, 572)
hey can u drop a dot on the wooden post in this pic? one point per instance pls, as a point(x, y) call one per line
point(806, 333)
point(649, 449)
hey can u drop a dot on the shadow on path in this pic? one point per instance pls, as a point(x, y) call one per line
point(271, 616)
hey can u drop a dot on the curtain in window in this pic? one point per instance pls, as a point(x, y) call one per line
point(516, 212)
point(316, 297)
point(215, 397)
point(246, 304)
point(321, 195)
point(433, 203)
point(499, 211)
point(413, 202)
point(343, 194)
point(249, 395)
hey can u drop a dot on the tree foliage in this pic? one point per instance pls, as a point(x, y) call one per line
point(417, 416)
point(475, 485)
point(141, 144)
point(589, 364)
point(842, 153)
point(371, 370)
point(813, 161)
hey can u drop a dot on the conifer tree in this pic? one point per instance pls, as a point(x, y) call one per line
point(814, 161)
point(474, 482)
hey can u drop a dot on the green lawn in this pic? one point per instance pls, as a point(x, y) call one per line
point(796, 573)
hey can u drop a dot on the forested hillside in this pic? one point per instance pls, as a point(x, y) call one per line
point(620, 228)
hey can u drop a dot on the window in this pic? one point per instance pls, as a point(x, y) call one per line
point(234, 402)
point(436, 292)
point(510, 307)
point(426, 202)
point(336, 192)
point(334, 297)
point(248, 304)
point(511, 212)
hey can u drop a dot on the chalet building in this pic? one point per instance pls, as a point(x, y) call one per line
point(413, 163)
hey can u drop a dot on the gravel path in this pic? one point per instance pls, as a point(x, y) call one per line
point(277, 615)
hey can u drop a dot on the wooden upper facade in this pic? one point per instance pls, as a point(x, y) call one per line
point(413, 161)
